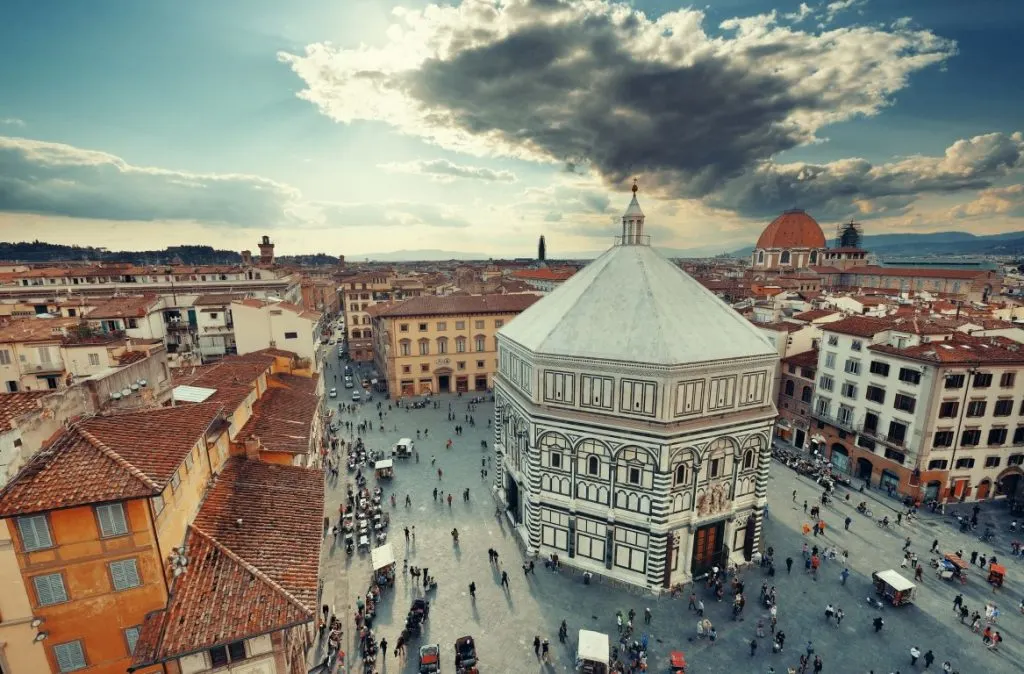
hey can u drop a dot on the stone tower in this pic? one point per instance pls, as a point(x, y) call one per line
point(266, 250)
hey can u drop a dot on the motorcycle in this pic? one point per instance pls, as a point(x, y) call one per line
point(883, 523)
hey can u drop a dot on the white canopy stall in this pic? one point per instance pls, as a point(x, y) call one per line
point(592, 652)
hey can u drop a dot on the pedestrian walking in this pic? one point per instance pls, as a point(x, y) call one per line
point(846, 524)
point(914, 655)
point(794, 496)
point(844, 574)
point(435, 494)
point(449, 500)
point(414, 533)
point(472, 590)
point(935, 546)
point(545, 646)
point(818, 664)
point(789, 564)
point(536, 647)
point(408, 501)
point(504, 578)
point(647, 616)
point(700, 608)
point(929, 658)
point(440, 473)
point(407, 534)
point(753, 647)
point(693, 601)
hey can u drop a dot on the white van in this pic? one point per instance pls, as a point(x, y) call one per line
point(403, 449)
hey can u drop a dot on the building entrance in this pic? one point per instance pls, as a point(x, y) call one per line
point(444, 383)
point(708, 545)
point(512, 496)
point(864, 469)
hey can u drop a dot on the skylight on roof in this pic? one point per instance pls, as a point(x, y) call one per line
point(191, 394)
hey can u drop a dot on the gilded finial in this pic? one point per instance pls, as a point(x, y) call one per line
point(635, 186)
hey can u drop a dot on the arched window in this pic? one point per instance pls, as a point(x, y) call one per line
point(789, 387)
point(442, 345)
point(814, 257)
point(480, 343)
point(593, 466)
point(760, 257)
point(805, 395)
point(680, 477)
point(748, 459)
point(405, 347)
point(460, 345)
point(784, 259)
point(424, 347)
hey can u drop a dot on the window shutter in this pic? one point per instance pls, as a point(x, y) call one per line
point(50, 589)
point(132, 636)
point(131, 573)
point(117, 575)
point(106, 521)
point(112, 520)
point(69, 656)
point(35, 534)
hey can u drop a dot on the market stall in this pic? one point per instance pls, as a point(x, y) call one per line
point(383, 559)
point(894, 587)
point(592, 653)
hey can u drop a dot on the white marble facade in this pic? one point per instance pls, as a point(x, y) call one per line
point(647, 472)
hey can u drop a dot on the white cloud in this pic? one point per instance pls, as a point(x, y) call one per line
point(389, 214)
point(446, 171)
point(802, 13)
point(12, 121)
point(834, 9)
point(57, 179)
point(999, 201)
point(597, 83)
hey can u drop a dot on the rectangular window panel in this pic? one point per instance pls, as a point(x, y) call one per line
point(35, 533)
point(131, 637)
point(50, 589)
point(124, 574)
point(689, 397)
point(70, 656)
point(721, 393)
point(112, 520)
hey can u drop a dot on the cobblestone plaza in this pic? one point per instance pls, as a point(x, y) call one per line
point(504, 623)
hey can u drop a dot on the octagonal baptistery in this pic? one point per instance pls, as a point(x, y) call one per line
point(632, 420)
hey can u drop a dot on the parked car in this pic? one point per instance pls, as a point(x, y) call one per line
point(333, 393)
point(348, 382)
point(356, 397)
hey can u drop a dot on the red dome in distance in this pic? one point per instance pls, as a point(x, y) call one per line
point(792, 229)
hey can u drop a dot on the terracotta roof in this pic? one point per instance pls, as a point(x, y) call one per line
point(134, 306)
point(874, 270)
point(233, 377)
point(254, 561)
point(803, 359)
point(283, 306)
point(14, 405)
point(919, 325)
point(129, 357)
point(282, 418)
point(543, 274)
point(961, 349)
point(36, 330)
point(792, 229)
point(814, 314)
point(432, 305)
point(859, 326)
point(102, 459)
point(781, 326)
point(216, 300)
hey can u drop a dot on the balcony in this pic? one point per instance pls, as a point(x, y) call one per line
point(54, 367)
point(180, 326)
point(874, 434)
point(845, 424)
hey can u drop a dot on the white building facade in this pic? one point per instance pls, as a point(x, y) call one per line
point(639, 452)
point(260, 324)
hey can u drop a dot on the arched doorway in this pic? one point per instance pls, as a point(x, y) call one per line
point(864, 469)
point(889, 479)
point(981, 493)
point(840, 458)
point(931, 490)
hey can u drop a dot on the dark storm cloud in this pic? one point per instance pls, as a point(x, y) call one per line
point(857, 188)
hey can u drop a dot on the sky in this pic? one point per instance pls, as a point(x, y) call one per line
point(351, 127)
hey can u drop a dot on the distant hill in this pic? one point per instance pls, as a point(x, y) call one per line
point(40, 251)
point(424, 254)
point(935, 243)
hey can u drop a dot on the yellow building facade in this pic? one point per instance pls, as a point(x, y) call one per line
point(431, 344)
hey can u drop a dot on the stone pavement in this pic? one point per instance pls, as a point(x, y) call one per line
point(504, 623)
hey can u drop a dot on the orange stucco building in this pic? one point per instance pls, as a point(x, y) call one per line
point(96, 518)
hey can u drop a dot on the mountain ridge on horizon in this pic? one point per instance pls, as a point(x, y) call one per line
point(896, 244)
